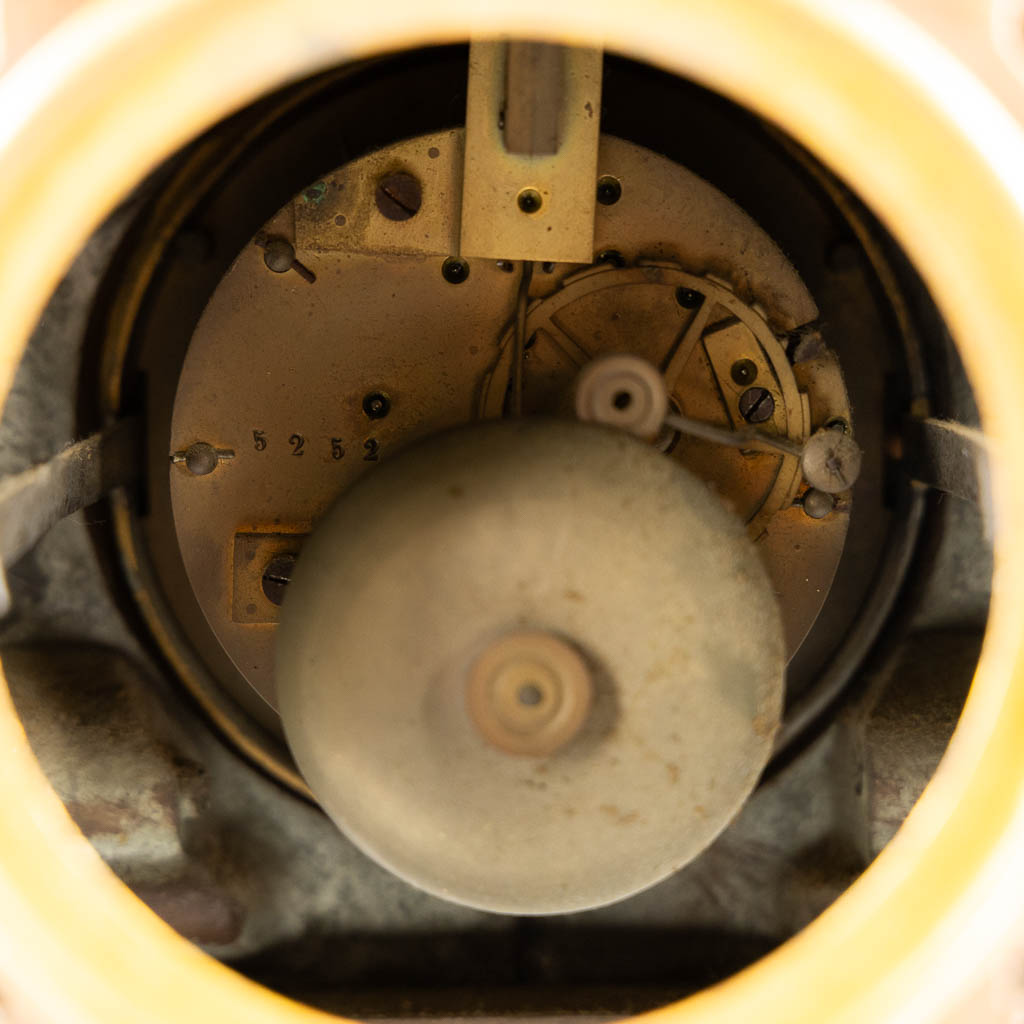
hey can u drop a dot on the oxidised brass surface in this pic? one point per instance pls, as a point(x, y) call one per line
point(603, 309)
point(279, 367)
point(562, 176)
point(636, 310)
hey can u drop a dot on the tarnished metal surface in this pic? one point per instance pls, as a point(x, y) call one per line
point(533, 106)
point(665, 212)
point(579, 531)
point(294, 903)
point(698, 347)
point(529, 187)
point(32, 501)
point(637, 310)
point(251, 600)
point(229, 858)
point(279, 370)
point(140, 790)
point(894, 734)
point(949, 456)
point(341, 211)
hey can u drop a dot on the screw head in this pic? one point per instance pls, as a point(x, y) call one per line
point(201, 458)
point(277, 575)
point(757, 405)
point(398, 196)
point(688, 298)
point(817, 504)
point(744, 372)
point(609, 190)
point(612, 257)
point(376, 405)
point(279, 255)
point(529, 200)
point(454, 270)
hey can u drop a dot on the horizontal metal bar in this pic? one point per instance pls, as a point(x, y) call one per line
point(34, 500)
point(946, 455)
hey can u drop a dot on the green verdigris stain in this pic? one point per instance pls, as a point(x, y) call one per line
point(315, 194)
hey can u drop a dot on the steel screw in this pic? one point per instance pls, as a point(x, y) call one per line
point(454, 270)
point(276, 577)
point(609, 190)
point(376, 405)
point(201, 459)
point(818, 504)
point(399, 196)
point(506, 265)
point(757, 405)
point(529, 200)
point(279, 255)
